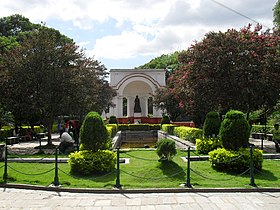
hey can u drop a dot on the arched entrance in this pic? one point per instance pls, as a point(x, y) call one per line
point(131, 83)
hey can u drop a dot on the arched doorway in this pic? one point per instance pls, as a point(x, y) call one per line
point(130, 83)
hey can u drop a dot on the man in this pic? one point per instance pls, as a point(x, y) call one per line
point(276, 137)
point(66, 143)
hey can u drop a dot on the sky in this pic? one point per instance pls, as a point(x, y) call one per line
point(129, 33)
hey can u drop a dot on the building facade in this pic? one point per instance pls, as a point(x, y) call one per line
point(135, 89)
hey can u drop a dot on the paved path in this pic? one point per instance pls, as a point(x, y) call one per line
point(30, 199)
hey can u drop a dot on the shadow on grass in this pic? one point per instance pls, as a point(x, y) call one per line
point(172, 170)
point(258, 174)
point(265, 175)
point(105, 177)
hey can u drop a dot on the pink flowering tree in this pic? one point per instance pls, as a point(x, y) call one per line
point(229, 70)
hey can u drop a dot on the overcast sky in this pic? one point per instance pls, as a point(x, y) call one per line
point(129, 33)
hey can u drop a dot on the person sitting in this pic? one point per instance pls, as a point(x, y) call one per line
point(66, 143)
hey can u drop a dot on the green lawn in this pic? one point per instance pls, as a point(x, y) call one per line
point(144, 171)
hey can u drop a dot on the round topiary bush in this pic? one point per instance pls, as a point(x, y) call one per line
point(235, 130)
point(88, 162)
point(238, 161)
point(113, 120)
point(93, 133)
point(212, 124)
point(165, 120)
point(166, 149)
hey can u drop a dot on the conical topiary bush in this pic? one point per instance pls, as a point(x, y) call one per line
point(93, 133)
point(212, 124)
point(235, 130)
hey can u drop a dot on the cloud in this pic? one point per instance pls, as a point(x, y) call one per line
point(121, 29)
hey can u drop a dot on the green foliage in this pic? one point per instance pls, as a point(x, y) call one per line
point(235, 130)
point(276, 14)
point(112, 129)
point(138, 127)
point(93, 133)
point(260, 128)
point(87, 162)
point(188, 133)
point(169, 61)
point(166, 149)
point(123, 127)
point(165, 120)
point(154, 126)
point(168, 128)
point(7, 131)
point(220, 71)
point(113, 120)
point(212, 124)
point(206, 145)
point(229, 160)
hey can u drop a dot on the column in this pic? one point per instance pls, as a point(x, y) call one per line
point(129, 114)
point(119, 106)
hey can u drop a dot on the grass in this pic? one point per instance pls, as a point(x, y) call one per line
point(145, 171)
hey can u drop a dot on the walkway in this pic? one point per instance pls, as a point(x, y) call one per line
point(30, 199)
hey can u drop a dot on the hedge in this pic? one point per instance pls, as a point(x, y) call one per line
point(138, 127)
point(112, 129)
point(206, 145)
point(188, 133)
point(168, 128)
point(238, 161)
point(261, 129)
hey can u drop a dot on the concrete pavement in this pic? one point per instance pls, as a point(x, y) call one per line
point(44, 200)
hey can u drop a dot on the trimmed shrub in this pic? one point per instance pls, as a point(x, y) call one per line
point(229, 160)
point(88, 162)
point(188, 133)
point(206, 145)
point(168, 128)
point(154, 126)
point(212, 124)
point(261, 129)
point(112, 129)
point(165, 120)
point(113, 120)
point(166, 149)
point(93, 133)
point(235, 131)
point(139, 127)
point(123, 127)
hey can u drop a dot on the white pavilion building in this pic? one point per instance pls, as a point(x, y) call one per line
point(130, 83)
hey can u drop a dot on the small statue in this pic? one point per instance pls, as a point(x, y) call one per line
point(137, 108)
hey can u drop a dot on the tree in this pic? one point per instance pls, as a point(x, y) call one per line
point(276, 14)
point(231, 70)
point(38, 79)
point(14, 25)
point(164, 99)
point(45, 76)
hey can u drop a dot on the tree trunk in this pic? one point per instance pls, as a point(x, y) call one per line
point(49, 126)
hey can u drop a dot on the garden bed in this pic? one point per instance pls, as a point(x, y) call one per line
point(144, 171)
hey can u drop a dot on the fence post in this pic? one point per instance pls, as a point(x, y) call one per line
point(118, 185)
point(56, 181)
point(252, 180)
point(188, 182)
point(5, 175)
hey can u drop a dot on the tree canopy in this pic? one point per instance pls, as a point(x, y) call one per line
point(276, 14)
point(45, 75)
point(231, 70)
